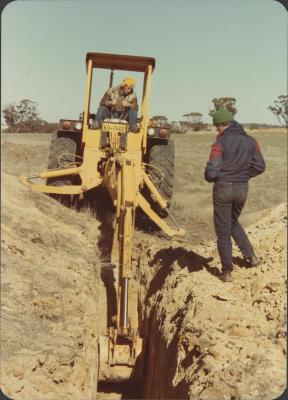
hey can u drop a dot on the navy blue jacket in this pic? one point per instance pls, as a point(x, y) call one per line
point(234, 157)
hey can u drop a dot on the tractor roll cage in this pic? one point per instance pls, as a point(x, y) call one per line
point(113, 62)
point(121, 62)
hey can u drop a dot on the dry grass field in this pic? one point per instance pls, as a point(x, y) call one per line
point(192, 201)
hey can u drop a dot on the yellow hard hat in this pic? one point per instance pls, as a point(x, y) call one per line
point(129, 81)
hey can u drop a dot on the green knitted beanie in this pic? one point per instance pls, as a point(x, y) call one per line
point(221, 116)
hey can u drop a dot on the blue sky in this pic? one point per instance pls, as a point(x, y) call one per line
point(203, 49)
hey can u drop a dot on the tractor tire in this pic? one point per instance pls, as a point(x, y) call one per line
point(162, 156)
point(61, 143)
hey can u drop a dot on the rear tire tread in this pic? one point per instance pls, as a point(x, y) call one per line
point(61, 143)
point(162, 156)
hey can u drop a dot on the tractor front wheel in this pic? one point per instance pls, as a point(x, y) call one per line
point(162, 161)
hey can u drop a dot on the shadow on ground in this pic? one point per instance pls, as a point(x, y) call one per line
point(186, 259)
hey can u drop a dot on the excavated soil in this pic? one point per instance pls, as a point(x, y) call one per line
point(49, 297)
point(204, 339)
point(210, 340)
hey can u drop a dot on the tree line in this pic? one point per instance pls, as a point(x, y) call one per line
point(24, 116)
point(194, 122)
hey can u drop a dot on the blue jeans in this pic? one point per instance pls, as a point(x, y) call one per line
point(228, 200)
point(129, 115)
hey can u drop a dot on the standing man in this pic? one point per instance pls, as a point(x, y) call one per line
point(119, 102)
point(235, 158)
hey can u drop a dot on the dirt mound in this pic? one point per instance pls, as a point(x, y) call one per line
point(214, 340)
point(50, 276)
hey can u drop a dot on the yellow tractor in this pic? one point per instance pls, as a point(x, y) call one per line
point(137, 170)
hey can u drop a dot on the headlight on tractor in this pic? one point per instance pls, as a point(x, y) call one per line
point(163, 133)
point(151, 132)
point(78, 126)
point(66, 125)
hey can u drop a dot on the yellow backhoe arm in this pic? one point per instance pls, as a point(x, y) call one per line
point(113, 156)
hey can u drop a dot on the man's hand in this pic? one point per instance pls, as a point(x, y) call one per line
point(111, 102)
point(126, 103)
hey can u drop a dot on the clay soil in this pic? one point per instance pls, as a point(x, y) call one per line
point(204, 339)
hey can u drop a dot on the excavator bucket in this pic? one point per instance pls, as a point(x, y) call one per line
point(117, 357)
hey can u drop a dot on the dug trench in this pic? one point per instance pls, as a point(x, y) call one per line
point(213, 340)
point(204, 339)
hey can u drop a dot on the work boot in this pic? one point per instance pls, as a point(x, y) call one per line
point(226, 276)
point(253, 261)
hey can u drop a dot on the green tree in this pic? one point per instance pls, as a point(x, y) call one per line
point(280, 108)
point(28, 112)
point(194, 121)
point(11, 116)
point(22, 117)
point(159, 120)
point(224, 102)
point(195, 117)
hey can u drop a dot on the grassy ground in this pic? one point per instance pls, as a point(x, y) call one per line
point(192, 202)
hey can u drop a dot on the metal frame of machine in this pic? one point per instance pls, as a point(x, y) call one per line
point(113, 157)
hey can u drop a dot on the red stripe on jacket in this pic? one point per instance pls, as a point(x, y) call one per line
point(216, 151)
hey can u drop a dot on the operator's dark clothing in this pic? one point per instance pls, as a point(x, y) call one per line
point(130, 115)
point(235, 157)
